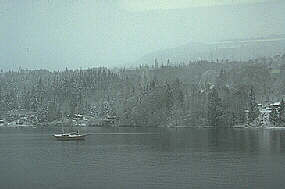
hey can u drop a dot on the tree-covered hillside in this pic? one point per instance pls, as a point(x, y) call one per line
point(165, 94)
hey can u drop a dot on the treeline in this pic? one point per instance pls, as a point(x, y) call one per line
point(214, 93)
point(205, 93)
point(52, 95)
point(277, 115)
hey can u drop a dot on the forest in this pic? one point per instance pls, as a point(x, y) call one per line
point(195, 93)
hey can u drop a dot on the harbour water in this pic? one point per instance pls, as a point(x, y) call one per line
point(143, 158)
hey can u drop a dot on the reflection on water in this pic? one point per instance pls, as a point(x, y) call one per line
point(143, 158)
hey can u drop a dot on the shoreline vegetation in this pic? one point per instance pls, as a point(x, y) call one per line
point(218, 93)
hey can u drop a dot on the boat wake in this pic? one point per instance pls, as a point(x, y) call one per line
point(123, 133)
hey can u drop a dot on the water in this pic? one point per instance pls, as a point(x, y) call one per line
point(144, 158)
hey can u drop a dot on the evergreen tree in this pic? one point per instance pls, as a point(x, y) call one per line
point(169, 97)
point(273, 117)
point(215, 110)
point(253, 108)
point(168, 62)
point(1, 100)
point(156, 63)
point(221, 79)
point(282, 112)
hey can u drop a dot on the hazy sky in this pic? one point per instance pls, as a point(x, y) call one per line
point(143, 5)
point(53, 34)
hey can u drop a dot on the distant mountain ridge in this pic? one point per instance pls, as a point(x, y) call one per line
point(234, 49)
point(270, 37)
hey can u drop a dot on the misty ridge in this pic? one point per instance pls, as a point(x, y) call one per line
point(135, 64)
point(53, 35)
point(235, 49)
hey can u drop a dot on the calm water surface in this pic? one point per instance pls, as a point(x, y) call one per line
point(144, 158)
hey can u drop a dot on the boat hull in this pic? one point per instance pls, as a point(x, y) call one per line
point(69, 137)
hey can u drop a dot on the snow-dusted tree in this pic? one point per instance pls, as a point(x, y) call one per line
point(1, 100)
point(215, 111)
point(282, 112)
point(221, 79)
point(273, 117)
point(253, 108)
point(239, 102)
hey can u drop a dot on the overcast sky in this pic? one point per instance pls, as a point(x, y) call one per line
point(54, 34)
point(143, 5)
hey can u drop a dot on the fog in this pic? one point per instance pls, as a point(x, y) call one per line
point(82, 34)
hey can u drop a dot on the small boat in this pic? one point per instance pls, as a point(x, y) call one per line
point(70, 136)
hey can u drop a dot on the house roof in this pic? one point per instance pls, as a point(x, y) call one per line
point(275, 104)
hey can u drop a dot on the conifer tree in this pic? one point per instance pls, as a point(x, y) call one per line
point(215, 110)
point(273, 117)
point(253, 109)
point(282, 112)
